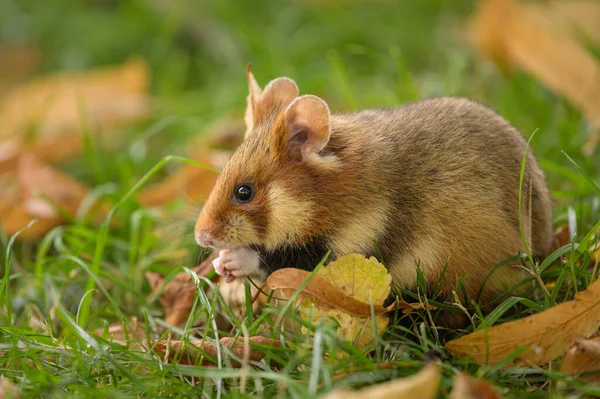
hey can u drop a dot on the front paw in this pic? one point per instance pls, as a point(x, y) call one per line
point(237, 262)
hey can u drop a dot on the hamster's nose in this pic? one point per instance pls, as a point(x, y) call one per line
point(204, 238)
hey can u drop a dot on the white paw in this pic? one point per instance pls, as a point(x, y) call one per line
point(237, 262)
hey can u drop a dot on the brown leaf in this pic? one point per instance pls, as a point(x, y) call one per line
point(466, 387)
point(561, 236)
point(178, 295)
point(45, 194)
point(121, 333)
point(48, 126)
point(546, 335)
point(583, 357)
point(195, 352)
point(423, 385)
point(325, 295)
point(526, 36)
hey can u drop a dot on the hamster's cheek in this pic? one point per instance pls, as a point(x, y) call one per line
point(237, 262)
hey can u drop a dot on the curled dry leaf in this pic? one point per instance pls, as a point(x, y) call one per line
point(532, 38)
point(48, 126)
point(466, 387)
point(348, 290)
point(320, 291)
point(423, 385)
point(45, 194)
point(583, 358)
point(198, 351)
point(178, 295)
point(546, 335)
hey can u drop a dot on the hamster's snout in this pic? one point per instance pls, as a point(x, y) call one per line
point(204, 238)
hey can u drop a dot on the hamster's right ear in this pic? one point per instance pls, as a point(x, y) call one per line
point(254, 96)
point(307, 119)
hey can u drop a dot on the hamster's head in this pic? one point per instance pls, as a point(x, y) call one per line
point(267, 195)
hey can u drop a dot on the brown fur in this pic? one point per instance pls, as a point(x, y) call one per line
point(434, 182)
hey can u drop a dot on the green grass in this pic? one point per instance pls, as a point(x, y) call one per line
point(82, 277)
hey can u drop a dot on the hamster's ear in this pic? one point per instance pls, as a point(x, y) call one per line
point(254, 95)
point(278, 94)
point(307, 119)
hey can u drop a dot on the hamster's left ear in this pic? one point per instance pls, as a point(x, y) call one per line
point(307, 119)
point(254, 95)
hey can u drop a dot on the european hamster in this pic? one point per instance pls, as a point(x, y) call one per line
point(431, 184)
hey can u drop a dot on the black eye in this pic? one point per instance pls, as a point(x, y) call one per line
point(244, 193)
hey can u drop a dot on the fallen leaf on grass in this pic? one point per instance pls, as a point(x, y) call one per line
point(583, 357)
point(546, 335)
point(45, 194)
point(196, 351)
point(320, 291)
point(466, 387)
point(49, 124)
point(121, 333)
point(348, 290)
point(528, 37)
point(178, 295)
point(423, 385)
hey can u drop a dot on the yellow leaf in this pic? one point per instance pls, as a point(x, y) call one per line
point(546, 335)
point(365, 280)
point(423, 385)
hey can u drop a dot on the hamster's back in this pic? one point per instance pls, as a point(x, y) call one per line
point(451, 167)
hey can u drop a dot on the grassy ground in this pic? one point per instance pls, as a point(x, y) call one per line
point(353, 55)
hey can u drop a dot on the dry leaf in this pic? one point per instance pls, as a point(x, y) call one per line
point(583, 357)
point(547, 335)
point(562, 236)
point(121, 333)
point(324, 294)
point(44, 194)
point(344, 290)
point(466, 387)
point(178, 295)
point(187, 352)
point(48, 126)
point(526, 36)
point(423, 385)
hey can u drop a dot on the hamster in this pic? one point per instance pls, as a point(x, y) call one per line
point(432, 184)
